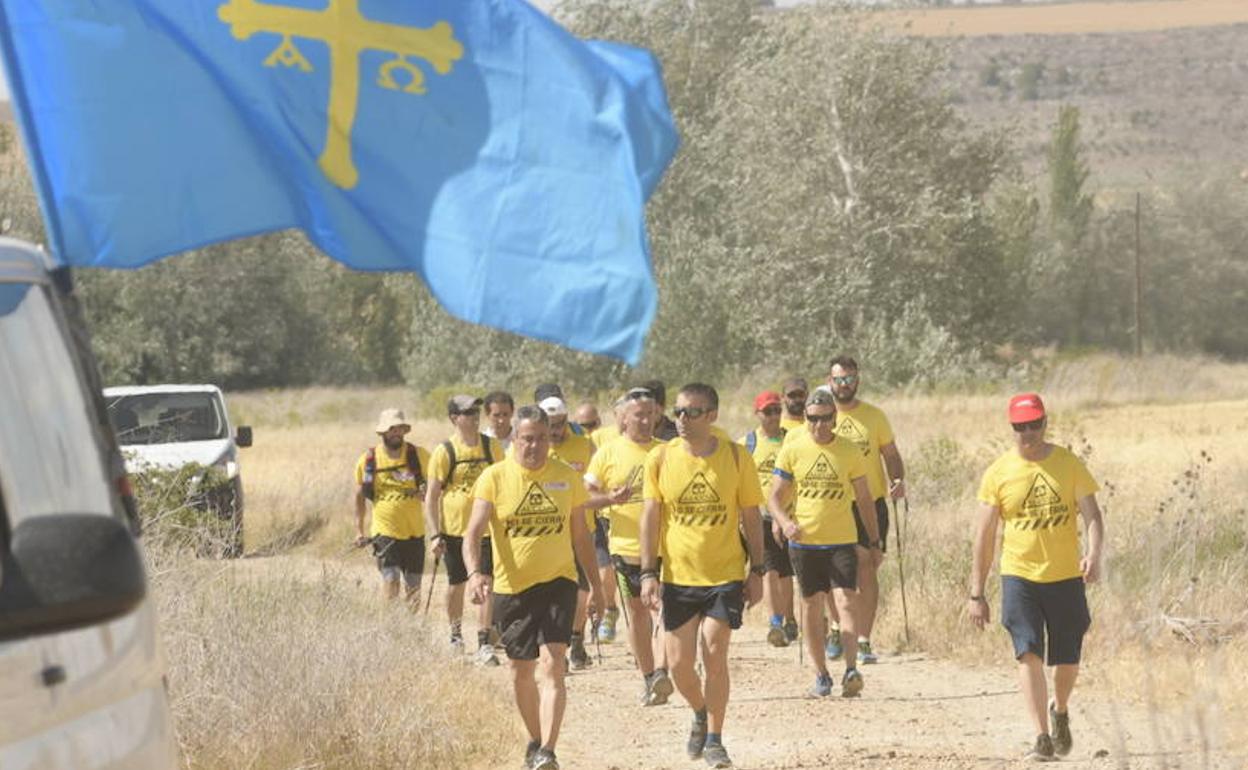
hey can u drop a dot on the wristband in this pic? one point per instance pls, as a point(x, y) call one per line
point(438, 536)
point(648, 573)
point(758, 569)
point(979, 598)
point(874, 544)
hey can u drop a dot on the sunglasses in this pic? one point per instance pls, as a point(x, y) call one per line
point(821, 417)
point(848, 379)
point(796, 394)
point(771, 411)
point(691, 412)
point(1020, 427)
point(469, 413)
point(591, 426)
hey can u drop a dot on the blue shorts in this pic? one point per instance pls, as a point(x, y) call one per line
point(1032, 611)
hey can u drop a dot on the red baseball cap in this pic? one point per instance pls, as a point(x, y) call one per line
point(766, 398)
point(1026, 407)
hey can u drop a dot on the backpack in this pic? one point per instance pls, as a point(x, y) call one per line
point(370, 469)
point(751, 439)
point(449, 446)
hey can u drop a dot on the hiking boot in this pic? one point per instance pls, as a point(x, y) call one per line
point(864, 652)
point(776, 636)
point(606, 629)
point(716, 755)
point(544, 759)
point(1043, 750)
point(823, 686)
point(833, 648)
point(1063, 742)
point(577, 655)
point(485, 656)
point(457, 644)
point(659, 688)
point(697, 739)
point(530, 751)
point(851, 684)
point(790, 630)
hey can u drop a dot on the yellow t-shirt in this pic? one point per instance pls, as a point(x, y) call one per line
point(765, 451)
point(1039, 505)
point(701, 499)
point(789, 423)
point(574, 451)
point(457, 495)
point(616, 464)
point(823, 490)
point(866, 427)
point(398, 501)
point(604, 435)
point(530, 533)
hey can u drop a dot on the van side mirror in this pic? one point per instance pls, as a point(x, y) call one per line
point(242, 437)
point(66, 571)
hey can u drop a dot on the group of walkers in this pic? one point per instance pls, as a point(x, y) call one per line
point(548, 519)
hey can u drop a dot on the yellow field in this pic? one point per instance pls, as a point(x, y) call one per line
point(1078, 18)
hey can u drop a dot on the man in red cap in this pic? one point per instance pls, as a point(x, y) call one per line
point(763, 443)
point(1036, 491)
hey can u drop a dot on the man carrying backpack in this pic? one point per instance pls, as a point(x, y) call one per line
point(390, 478)
point(454, 467)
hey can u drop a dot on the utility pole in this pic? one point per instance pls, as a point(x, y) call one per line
point(1139, 283)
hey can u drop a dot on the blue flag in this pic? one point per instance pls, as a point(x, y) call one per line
point(475, 142)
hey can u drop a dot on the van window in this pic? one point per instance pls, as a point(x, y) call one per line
point(49, 462)
point(166, 418)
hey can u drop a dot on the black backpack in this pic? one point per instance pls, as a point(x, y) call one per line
point(449, 446)
point(370, 469)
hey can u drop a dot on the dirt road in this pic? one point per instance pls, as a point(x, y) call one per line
point(1077, 18)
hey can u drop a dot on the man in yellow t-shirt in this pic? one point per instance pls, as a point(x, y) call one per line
point(824, 474)
point(795, 391)
point(534, 509)
point(700, 493)
point(615, 482)
point(390, 478)
point(763, 443)
point(574, 450)
point(865, 426)
point(1035, 491)
point(454, 467)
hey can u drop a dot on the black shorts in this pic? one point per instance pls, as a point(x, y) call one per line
point(881, 515)
point(775, 556)
point(541, 614)
point(456, 570)
point(630, 575)
point(683, 603)
point(822, 569)
point(400, 558)
point(601, 530)
point(1030, 611)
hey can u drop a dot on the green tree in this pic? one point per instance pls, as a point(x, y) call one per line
point(1067, 287)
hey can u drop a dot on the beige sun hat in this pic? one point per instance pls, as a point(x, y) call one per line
point(390, 418)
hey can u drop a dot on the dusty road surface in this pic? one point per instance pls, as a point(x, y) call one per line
point(1075, 18)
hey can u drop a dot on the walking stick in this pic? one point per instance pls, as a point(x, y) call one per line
point(901, 562)
point(437, 559)
point(621, 583)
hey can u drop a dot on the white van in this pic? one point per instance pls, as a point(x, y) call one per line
point(81, 676)
point(170, 426)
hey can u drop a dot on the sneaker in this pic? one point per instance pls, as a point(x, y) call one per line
point(716, 755)
point(697, 739)
point(579, 658)
point(530, 751)
point(851, 684)
point(833, 648)
point(790, 630)
point(606, 629)
point(776, 637)
point(457, 645)
point(544, 759)
point(1043, 750)
point(864, 652)
point(485, 656)
point(1063, 742)
point(823, 686)
point(659, 688)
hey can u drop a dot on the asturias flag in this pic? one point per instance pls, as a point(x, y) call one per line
point(475, 142)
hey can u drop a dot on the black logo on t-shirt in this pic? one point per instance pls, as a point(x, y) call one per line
point(535, 516)
point(1042, 507)
point(821, 481)
point(698, 492)
point(853, 432)
point(699, 505)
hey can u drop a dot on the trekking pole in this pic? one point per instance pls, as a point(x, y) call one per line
point(621, 583)
point(901, 561)
point(433, 578)
point(593, 627)
point(801, 627)
point(355, 546)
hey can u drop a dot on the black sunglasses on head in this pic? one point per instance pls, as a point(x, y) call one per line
point(821, 417)
point(1020, 427)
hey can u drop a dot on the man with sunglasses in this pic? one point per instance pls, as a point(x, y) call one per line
point(614, 481)
point(1035, 491)
point(700, 493)
point(866, 427)
point(824, 475)
point(454, 467)
point(763, 443)
point(664, 428)
point(795, 390)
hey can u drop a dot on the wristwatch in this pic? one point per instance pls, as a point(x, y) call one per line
point(979, 598)
point(873, 544)
point(758, 569)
